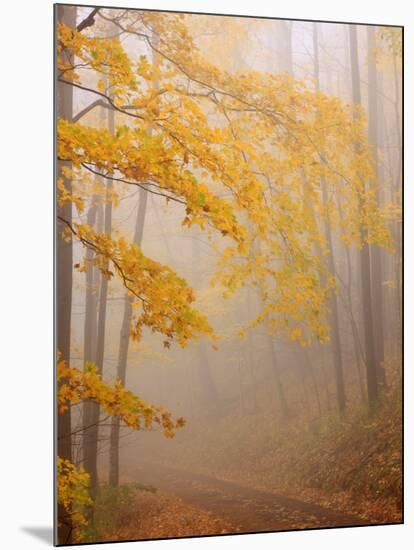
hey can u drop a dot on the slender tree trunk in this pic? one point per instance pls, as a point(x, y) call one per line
point(210, 399)
point(125, 329)
point(395, 198)
point(286, 44)
point(252, 364)
point(93, 288)
point(284, 409)
point(209, 402)
point(240, 381)
point(348, 306)
point(397, 188)
point(376, 253)
point(89, 333)
point(308, 363)
point(92, 433)
point(302, 374)
point(123, 348)
point(365, 262)
point(336, 339)
point(66, 15)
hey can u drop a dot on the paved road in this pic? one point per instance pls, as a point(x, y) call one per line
point(248, 510)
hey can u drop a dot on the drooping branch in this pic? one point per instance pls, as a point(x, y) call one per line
point(165, 297)
point(92, 246)
point(101, 94)
point(142, 185)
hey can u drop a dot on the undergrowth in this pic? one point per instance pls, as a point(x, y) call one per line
point(111, 507)
point(358, 456)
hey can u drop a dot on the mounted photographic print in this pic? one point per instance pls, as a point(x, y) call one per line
point(228, 240)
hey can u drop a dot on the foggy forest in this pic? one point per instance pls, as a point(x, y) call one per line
point(228, 304)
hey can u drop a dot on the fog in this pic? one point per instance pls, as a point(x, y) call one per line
point(251, 397)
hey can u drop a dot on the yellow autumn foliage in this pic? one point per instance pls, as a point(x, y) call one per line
point(73, 491)
point(245, 154)
point(75, 385)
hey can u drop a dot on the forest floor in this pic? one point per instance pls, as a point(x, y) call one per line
point(240, 479)
point(242, 509)
point(186, 504)
point(350, 466)
point(158, 515)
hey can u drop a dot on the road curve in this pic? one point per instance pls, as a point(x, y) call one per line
point(248, 510)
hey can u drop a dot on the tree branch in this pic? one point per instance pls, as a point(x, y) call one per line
point(143, 185)
point(100, 103)
point(88, 21)
point(126, 280)
point(101, 94)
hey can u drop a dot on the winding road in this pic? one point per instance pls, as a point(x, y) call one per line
point(248, 510)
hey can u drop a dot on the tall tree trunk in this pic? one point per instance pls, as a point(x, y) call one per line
point(209, 401)
point(210, 398)
point(336, 339)
point(397, 190)
point(123, 348)
point(365, 262)
point(92, 433)
point(307, 362)
point(126, 324)
point(286, 43)
point(252, 364)
point(124, 343)
point(348, 306)
point(96, 214)
point(394, 266)
point(376, 253)
point(284, 409)
point(90, 328)
point(240, 384)
point(64, 252)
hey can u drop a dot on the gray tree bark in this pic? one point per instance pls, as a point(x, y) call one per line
point(336, 338)
point(90, 326)
point(92, 432)
point(123, 348)
point(64, 252)
point(365, 261)
point(284, 408)
point(376, 253)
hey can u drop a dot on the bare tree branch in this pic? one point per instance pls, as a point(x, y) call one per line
point(88, 21)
